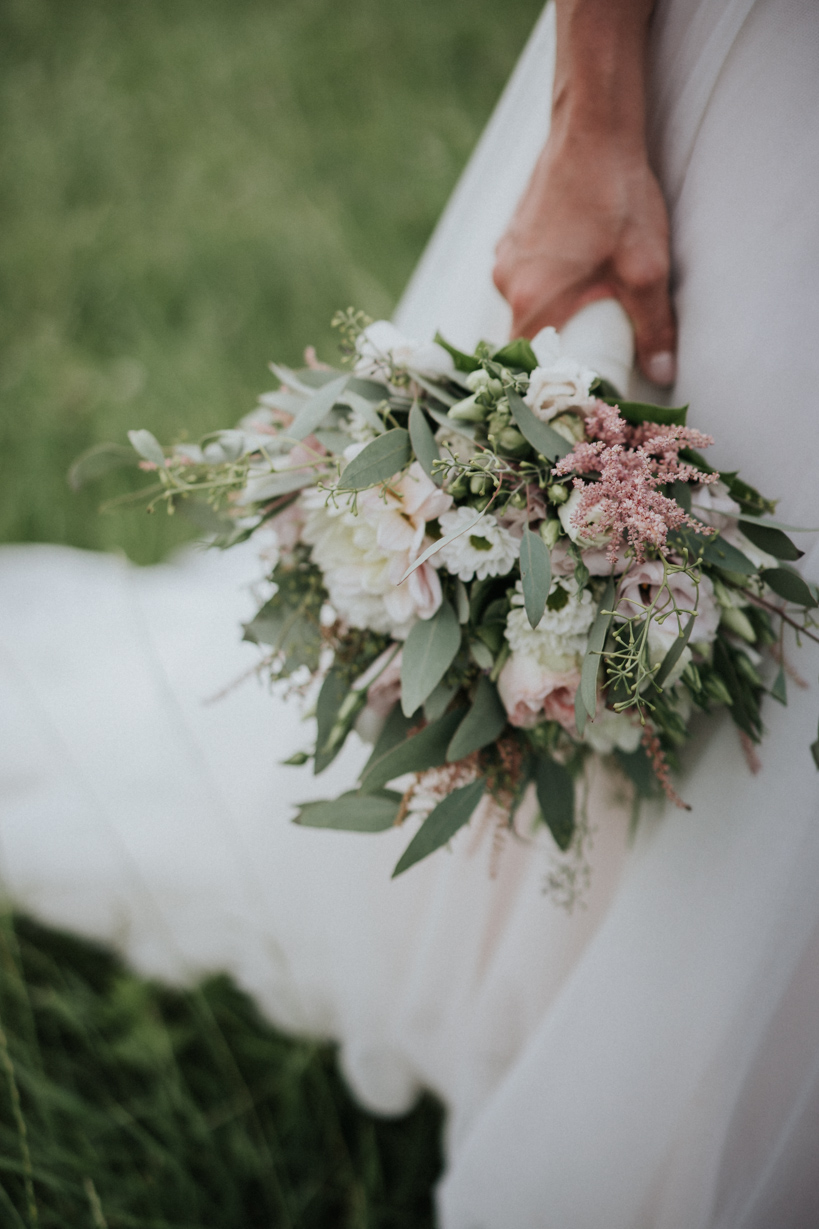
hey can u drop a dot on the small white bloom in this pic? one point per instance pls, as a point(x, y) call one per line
point(611, 730)
point(560, 638)
point(558, 382)
point(489, 550)
point(585, 535)
point(382, 349)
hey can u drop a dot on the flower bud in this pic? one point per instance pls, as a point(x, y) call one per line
point(738, 622)
point(479, 484)
point(511, 440)
point(550, 531)
point(558, 493)
point(716, 690)
point(468, 410)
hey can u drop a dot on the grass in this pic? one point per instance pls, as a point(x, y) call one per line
point(126, 1104)
point(190, 188)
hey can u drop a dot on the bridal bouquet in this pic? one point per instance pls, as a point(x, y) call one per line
point(494, 567)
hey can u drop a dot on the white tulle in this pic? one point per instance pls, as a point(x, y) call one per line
point(649, 1061)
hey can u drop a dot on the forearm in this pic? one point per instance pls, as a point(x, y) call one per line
point(599, 87)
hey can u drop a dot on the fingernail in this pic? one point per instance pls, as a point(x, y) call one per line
point(661, 368)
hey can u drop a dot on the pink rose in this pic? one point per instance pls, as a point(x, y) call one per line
point(640, 586)
point(531, 694)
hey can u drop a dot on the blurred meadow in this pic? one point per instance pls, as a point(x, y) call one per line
point(188, 189)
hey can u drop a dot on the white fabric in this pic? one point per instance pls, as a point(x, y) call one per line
point(651, 1060)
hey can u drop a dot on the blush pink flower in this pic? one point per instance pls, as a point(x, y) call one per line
point(530, 693)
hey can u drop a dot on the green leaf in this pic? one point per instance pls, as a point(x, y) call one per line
point(637, 767)
point(436, 546)
point(517, 353)
point(555, 796)
point(423, 442)
point(636, 412)
point(331, 697)
point(426, 749)
point(441, 824)
point(148, 447)
point(462, 601)
point(97, 461)
point(429, 651)
point(675, 652)
point(580, 714)
point(352, 812)
point(316, 408)
point(779, 691)
point(394, 731)
point(681, 492)
point(597, 638)
point(772, 541)
point(371, 390)
point(535, 574)
point(364, 407)
point(545, 441)
point(281, 482)
point(463, 362)
point(438, 702)
point(814, 750)
point(434, 390)
point(287, 629)
point(714, 550)
point(483, 723)
point(378, 462)
point(789, 585)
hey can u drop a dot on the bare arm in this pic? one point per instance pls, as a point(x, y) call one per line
point(592, 223)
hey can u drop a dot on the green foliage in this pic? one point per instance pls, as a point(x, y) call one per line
point(352, 812)
point(426, 749)
point(429, 651)
point(441, 824)
point(289, 621)
point(637, 412)
point(192, 188)
point(167, 1109)
point(483, 724)
point(535, 575)
point(545, 441)
point(378, 462)
point(555, 796)
point(423, 442)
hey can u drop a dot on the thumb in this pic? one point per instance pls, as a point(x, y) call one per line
point(655, 332)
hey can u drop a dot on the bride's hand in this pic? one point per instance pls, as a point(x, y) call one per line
point(592, 223)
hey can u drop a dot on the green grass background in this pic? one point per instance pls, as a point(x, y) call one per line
point(189, 188)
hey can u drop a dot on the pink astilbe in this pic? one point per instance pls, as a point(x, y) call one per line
point(633, 462)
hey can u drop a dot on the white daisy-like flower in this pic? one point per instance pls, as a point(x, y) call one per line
point(489, 550)
point(560, 638)
point(610, 731)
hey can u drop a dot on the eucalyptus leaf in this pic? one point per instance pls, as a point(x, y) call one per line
point(436, 546)
point(291, 380)
point(517, 353)
point(394, 731)
point(597, 638)
point(779, 691)
point(434, 390)
point(95, 462)
point(371, 390)
point(287, 629)
point(483, 723)
point(637, 412)
point(316, 409)
point(681, 492)
point(438, 702)
point(543, 438)
point(481, 654)
point(535, 575)
point(378, 462)
point(317, 377)
point(277, 482)
point(352, 812)
point(441, 824)
point(462, 601)
point(714, 550)
point(789, 585)
point(333, 441)
point(773, 541)
point(555, 795)
point(148, 447)
point(429, 651)
point(290, 403)
point(363, 406)
point(426, 749)
point(331, 697)
point(675, 652)
point(423, 442)
point(637, 767)
point(580, 714)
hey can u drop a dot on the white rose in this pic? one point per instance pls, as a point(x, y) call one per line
point(559, 382)
point(560, 638)
point(611, 730)
point(584, 535)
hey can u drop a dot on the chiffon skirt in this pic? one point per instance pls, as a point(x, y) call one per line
point(649, 1058)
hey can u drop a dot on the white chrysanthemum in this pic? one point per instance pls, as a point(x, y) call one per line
point(363, 555)
point(586, 536)
point(558, 382)
point(560, 638)
point(489, 550)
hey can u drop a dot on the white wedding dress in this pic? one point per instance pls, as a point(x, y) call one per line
point(650, 1061)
